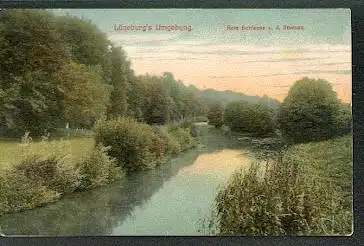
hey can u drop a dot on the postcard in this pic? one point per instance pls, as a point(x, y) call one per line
point(175, 122)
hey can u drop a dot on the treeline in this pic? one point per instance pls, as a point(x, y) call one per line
point(310, 112)
point(301, 181)
point(59, 70)
point(62, 69)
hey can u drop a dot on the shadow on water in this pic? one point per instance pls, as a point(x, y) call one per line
point(99, 211)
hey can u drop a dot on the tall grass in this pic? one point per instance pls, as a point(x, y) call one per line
point(307, 191)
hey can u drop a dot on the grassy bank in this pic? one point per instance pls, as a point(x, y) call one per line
point(306, 191)
point(37, 173)
point(33, 174)
point(10, 150)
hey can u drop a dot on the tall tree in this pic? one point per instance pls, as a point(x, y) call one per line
point(157, 100)
point(118, 73)
point(86, 96)
point(88, 45)
point(31, 52)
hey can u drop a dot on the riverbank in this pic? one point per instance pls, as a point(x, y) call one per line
point(166, 200)
point(34, 174)
point(308, 191)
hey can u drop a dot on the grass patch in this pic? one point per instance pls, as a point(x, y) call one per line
point(10, 150)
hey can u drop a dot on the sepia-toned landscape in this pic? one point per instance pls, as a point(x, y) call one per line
point(214, 122)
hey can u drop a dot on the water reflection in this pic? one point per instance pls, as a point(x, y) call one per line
point(94, 212)
point(165, 201)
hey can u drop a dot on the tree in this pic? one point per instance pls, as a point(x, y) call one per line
point(87, 44)
point(175, 91)
point(31, 52)
point(236, 115)
point(215, 115)
point(85, 95)
point(118, 78)
point(309, 111)
point(252, 118)
point(154, 100)
point(192, 103)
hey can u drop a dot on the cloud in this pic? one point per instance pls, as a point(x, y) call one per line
point(283, 74)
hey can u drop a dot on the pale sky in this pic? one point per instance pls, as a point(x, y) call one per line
point(255, 62)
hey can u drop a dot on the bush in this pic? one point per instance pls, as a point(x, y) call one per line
point(51, 173)
point(294, 195)
point(138, 146)
point(18, 192)
point(98, 169)
point(255, 119)
point(215, 115)
point(48, 163)
point(131, 142)
point(184, 137)
point(45, 173)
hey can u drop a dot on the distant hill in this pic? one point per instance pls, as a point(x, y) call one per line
point(224, 97)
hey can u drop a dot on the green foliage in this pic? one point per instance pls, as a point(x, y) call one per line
point(30, 56)
point(306, 192)
point(87, 44)
point(138, 146)
point(130, 142)
point(343, 120)
point(255, 119)
point(311, 111)
point(20, 193)
point(85, 95)
point(160, 100)
point(46, 163)
point(51, 173)
point(119, 68)
point(157, 108)
point(184, 137)
point(216, 115)
point(45, 171)
point(98, 169)
point(201, 119)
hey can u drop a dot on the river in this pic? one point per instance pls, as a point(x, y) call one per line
point(168, 200)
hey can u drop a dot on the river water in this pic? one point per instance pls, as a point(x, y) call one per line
point(168, 200)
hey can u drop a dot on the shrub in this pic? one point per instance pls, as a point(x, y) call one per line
point(98, 169)
point(19, 193)
point(51, 172)
point(215, 115)
point(183, 137)
point(138, 146)
point(131, 142)
point(48, 163)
